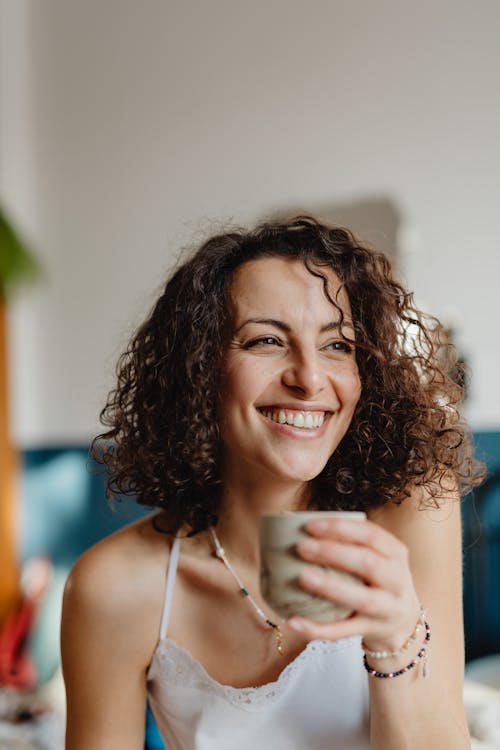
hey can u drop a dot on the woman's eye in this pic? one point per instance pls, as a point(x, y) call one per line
point(339, 346)
point(263, 341)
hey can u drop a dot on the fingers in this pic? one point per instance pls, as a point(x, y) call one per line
point(376, 612)
point(363, 562)
point(364, 533)
point(358, 547)
point(329, 631)
point(382, 608)
point(374, 602)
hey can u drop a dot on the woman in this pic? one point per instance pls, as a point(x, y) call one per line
point(281, 369)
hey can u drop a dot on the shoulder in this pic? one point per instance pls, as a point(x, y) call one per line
point(431, 530)
point(110, 627)
point(120, 580)
point(421, 512)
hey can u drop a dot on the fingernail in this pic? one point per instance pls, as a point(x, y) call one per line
point(318, 525)
point(308, 546)
point(312, 578)
point(296, 625)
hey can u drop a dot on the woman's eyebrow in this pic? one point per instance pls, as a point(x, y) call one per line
point(334, 325)
point(267, 322)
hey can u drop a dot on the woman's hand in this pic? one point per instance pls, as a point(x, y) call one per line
point(386, 609)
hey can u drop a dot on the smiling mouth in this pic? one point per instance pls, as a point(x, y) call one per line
point(308, 420)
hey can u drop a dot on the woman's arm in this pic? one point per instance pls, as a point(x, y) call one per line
point(107, 637)
point(406, 555)
point(431, 708)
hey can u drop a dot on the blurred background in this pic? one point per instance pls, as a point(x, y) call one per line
point(129, 130)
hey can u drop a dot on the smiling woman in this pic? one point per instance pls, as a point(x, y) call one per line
point(275, 373)
point(290, 379)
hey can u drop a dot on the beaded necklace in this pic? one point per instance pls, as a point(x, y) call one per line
point(220, 553)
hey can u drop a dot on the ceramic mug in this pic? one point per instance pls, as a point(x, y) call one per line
point(281, 566)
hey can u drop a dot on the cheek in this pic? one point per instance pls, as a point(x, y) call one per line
point(349, 388)
point(244, 382)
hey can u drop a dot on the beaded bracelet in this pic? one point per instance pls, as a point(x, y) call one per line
point(421, 656)
point(411, 639)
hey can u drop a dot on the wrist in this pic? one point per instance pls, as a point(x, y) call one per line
point(419, 660)
point(403, 659)
point(398, 643)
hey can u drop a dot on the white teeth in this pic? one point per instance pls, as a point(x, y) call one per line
point(303, 419)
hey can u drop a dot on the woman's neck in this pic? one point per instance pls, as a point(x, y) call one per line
point(241, 507)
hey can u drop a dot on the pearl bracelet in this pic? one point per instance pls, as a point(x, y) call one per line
point(411, 639)
point(421, 656)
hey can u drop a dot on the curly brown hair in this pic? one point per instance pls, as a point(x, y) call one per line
point(162, 444)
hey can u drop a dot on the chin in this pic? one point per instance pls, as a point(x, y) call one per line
point(306, 473)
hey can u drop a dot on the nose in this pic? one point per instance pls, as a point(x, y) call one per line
point(304, 375)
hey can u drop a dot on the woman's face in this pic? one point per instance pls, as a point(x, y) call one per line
point(290, 381)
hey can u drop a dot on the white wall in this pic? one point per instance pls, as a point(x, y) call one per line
point(125, 127)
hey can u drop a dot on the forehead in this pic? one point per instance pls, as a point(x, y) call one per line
point(283, 285)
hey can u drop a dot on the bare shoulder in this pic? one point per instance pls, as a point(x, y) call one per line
point(121, 579)
point(110, 627)
point(420, 517)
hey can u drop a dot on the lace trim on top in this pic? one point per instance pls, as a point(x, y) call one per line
point(181, 668)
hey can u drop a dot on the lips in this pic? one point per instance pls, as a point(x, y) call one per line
point(303, 419)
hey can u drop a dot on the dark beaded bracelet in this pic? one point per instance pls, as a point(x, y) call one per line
point(422, 655)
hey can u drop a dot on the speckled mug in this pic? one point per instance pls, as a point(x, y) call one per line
point(281, 566)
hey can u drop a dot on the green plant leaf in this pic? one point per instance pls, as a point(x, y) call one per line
point(17, 263)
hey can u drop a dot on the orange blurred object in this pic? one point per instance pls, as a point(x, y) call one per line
point(9, 568)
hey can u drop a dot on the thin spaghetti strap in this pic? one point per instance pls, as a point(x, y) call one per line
point(169, 589)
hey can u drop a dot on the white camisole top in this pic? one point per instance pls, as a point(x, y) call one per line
point(319, 702)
